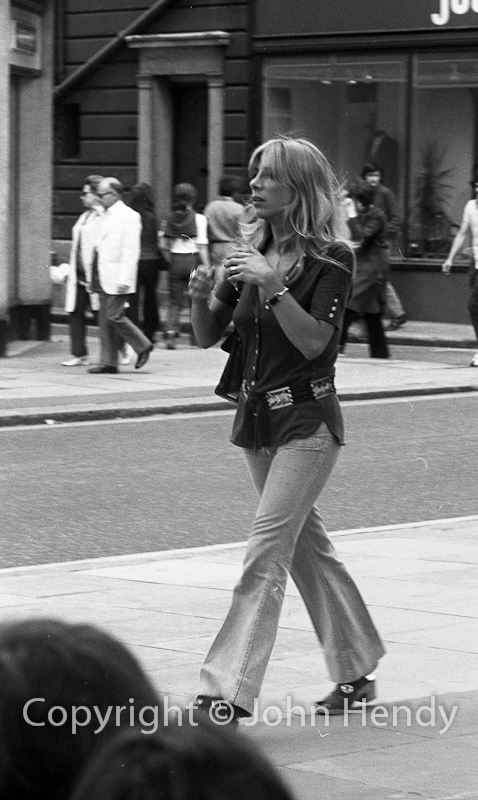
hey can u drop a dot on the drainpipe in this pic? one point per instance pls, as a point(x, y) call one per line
point(109, 48)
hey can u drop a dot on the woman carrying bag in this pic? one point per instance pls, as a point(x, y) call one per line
point(184, 243)
point(288, 314)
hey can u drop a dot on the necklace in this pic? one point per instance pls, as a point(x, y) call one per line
point(295, 270)
point(283, 263)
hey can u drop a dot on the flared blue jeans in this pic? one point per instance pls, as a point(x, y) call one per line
point(289, 536)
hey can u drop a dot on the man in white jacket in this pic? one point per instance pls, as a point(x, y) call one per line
point(78, 297)
point(114, 274)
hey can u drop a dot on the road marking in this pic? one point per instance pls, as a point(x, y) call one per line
point(161, 417)
point(415, 398)
point(165, 555)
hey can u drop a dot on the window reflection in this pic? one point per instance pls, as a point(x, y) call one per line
point(357, 110)
point(354, 109)
point(444, 150)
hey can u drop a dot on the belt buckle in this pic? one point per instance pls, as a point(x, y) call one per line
point(321, 387)
point(279, 398)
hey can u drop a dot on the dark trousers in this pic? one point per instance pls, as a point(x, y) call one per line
point(115, 326)
point(179, 273)
point(78, 322)
point(148, 275)
point(473, 299)
point(377, 341)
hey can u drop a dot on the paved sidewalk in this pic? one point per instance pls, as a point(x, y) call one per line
point(421, 737)
point(36, 388)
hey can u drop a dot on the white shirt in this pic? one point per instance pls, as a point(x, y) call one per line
point(88, 229)
point(470, 220)
point(183, 244)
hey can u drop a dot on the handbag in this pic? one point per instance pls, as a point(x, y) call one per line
point(230, 382)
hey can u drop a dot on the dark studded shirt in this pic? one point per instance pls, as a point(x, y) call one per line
point(271, 361)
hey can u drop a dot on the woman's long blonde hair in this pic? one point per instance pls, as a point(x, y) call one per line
point(315, 214)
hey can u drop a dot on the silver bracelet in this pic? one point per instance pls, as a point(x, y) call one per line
point(272, 301)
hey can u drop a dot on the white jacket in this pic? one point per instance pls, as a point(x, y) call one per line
point(119, 245)
point(86, 227)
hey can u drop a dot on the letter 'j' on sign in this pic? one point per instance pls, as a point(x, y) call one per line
point(453, 7)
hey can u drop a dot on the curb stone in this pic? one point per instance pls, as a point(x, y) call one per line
point(38, 417)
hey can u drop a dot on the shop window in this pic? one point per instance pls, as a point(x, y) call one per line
point(279, 108)
point(353, 108)
point(444, 149)
point(381, 108)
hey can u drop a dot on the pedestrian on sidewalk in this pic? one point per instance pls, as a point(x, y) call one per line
point(288, 314)
point(384, 199)
point(67, 689)
point(367, 227)
point(468, 231)
point(150, 262)
point(223, 217)
point(114, 271)
point(79, 297)
point(185, 245)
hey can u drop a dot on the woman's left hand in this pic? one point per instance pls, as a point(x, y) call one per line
point(201, 282)
point(250, 266)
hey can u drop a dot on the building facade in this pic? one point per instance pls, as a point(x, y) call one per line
point(188, 88)
point(390, 81)
point(26, 79)
point(165, 101)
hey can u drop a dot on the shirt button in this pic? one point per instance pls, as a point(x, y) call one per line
point(331, 315)
point(334, 308)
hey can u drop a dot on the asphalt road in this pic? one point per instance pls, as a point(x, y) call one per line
point(80, 491)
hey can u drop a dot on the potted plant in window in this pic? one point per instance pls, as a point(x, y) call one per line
point(431, 194)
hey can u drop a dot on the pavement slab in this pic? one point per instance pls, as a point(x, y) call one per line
point(378, 767)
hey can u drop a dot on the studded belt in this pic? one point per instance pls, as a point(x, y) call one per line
point(291, 395)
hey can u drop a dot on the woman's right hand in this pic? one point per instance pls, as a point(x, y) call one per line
point(201, 282)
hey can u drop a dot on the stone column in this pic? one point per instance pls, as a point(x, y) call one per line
point(162, 145)
point(34, 189)
point(145, 129)
point(215, 135)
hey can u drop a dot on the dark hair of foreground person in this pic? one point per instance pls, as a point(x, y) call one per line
point(65, 665)
point(206, 762)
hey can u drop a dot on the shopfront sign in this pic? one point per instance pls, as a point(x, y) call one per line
point(282, 17)
point(452, 9)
